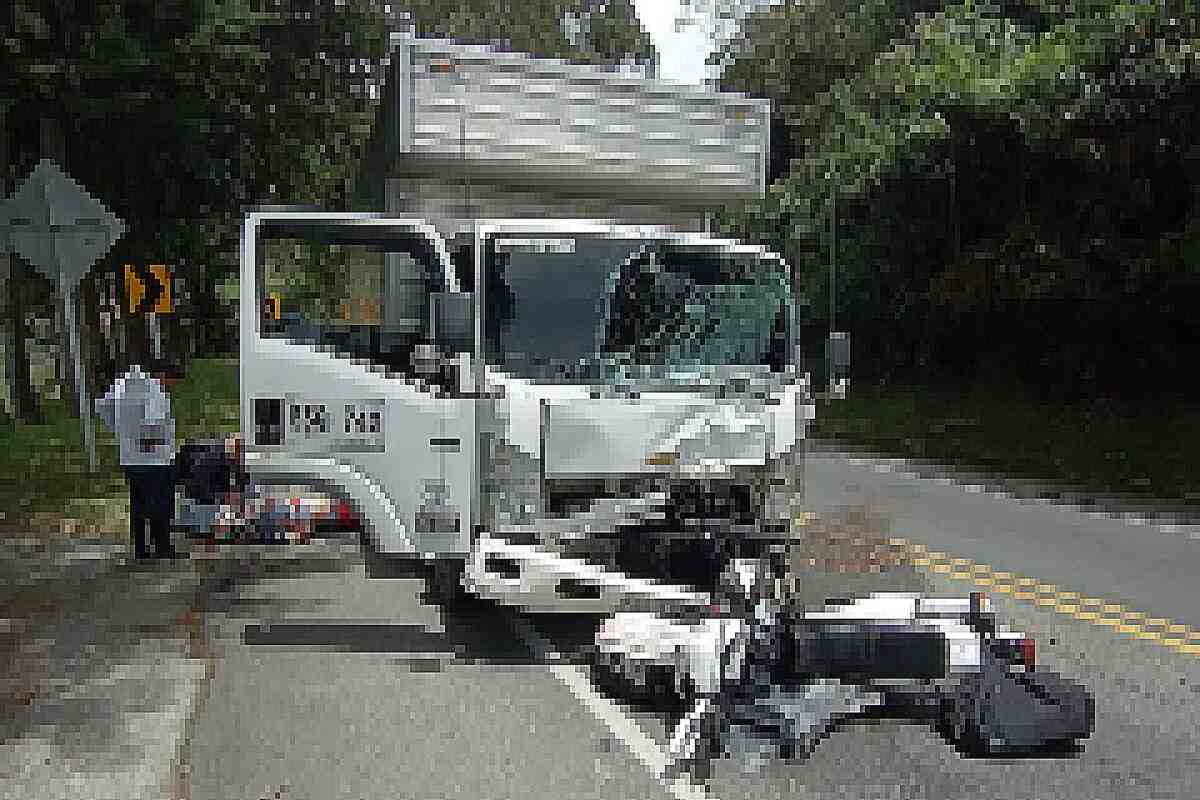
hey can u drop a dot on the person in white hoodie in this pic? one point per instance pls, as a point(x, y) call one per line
point(137, 409)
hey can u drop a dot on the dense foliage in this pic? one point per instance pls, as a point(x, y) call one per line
point(180, 113)
point(1013, 183)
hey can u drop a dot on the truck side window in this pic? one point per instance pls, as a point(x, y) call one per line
point(357, 294)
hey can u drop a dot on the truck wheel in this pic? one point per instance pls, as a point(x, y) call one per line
point(382, 566)
point(444, 582)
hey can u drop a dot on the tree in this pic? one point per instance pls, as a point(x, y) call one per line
point(949, 132)
point(179, 113)
point(539, 27)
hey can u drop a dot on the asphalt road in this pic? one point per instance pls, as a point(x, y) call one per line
point(332, 685)
point(1087, 552)
point(96, 671)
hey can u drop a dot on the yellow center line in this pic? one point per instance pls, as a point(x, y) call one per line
point(1135, 624)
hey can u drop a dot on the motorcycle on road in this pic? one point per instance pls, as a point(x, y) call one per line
point(758, 677)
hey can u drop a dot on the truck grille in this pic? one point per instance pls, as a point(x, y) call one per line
point(692, 501)
point(688, 544)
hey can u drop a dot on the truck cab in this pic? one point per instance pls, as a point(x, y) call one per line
point(575, 414)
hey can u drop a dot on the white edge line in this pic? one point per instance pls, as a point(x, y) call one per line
point(620, 724)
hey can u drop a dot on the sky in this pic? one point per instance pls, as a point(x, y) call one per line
point(681, 55)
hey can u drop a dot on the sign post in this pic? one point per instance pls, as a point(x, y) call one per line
point(61, 230)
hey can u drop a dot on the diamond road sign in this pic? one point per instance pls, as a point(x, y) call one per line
point(61, 230)
point(57, 226)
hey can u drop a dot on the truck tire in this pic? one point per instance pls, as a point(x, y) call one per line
point(382, 566)
point(444, 582)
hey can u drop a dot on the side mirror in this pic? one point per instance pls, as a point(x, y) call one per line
point(453, 320)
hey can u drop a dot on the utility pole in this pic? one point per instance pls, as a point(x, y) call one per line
point(954, 237)
point(829, 354)
point(952, 175)
point(833, 255)
point(11, 287)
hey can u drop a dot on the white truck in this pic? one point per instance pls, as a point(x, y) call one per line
point(563, 414)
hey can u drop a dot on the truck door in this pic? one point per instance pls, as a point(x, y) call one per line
point(344, 382)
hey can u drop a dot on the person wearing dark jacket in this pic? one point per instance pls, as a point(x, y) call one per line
point(213, 474)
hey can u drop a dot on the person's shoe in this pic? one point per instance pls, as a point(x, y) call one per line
point(172, 554)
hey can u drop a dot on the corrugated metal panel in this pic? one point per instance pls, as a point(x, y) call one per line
point(506, 116)
point(451, 208)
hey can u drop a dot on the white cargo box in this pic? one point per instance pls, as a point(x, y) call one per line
point(472, 132)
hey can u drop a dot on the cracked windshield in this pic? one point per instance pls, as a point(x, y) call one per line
point(583, 308)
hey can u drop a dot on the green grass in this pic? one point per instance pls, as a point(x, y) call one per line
point(43, 468)
point(207, 400)
point(1141, 453)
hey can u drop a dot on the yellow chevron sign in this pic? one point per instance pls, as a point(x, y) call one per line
point(149, 289)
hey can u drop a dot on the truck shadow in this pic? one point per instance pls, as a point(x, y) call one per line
point(471, 631)
point(465, 638)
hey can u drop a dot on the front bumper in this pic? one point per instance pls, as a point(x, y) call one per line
point(539, 580)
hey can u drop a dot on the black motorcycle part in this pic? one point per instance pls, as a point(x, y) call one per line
point(657, 691)
point(1004, 712)
point(860, 653)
